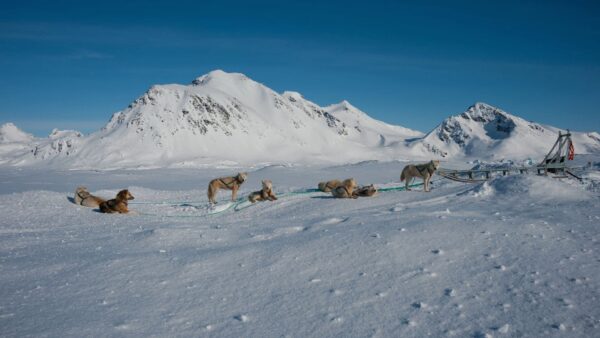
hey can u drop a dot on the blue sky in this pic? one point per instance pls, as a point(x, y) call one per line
point(71, 64)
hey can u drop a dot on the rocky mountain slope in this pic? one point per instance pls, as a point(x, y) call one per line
point(484, 131)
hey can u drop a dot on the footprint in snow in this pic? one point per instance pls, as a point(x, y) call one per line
point(565, 302)
point(578, 280)
point(409, 322)
point(480, 334)
point(122, 326)
point(449, 292)
point(336, 292)
point(337, 320)
point(242, 318)
point(504, 328)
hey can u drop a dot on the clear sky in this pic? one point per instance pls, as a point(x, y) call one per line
point(71, 64)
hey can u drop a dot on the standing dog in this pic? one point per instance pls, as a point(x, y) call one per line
point(265, 194)
point(84, 198)
point(230, 183)
point(117, 204)
point(424, 171)
point(345, 190)
point(329, 185)
point(366, 191)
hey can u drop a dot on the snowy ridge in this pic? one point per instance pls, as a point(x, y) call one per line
point(484, 131)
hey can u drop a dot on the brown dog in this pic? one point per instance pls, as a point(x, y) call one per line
point(424, 171)
point(366, 191)
point(229, 183)
point(117, 204)
point(329, 185)
point(345, 190)
point(84, 198)
point(265, 194)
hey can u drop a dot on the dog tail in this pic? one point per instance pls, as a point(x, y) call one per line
point(402, 176)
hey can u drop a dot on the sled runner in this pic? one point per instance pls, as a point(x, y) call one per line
point(555, 162)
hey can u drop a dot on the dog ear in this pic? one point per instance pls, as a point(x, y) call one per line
point(123, 194)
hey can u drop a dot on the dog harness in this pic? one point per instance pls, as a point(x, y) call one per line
point(225, 184)
point(347, 192)
point(230, 185)
point(425, 169)
point(82, 198)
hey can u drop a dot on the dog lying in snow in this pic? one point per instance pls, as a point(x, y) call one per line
point(345, 190)
point(329, 185)
point(232, 183)
point(265, 194)
point(84, 198)
point(366, 191)
point(424, 171)
point(117, 204)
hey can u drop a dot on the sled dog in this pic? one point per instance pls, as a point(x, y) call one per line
point(329, 185)
point(230, 183)
point(366, 191)
point(424, 171)
point(117, 204)
point(265, 194)
point(84, 198)
point(345, 190)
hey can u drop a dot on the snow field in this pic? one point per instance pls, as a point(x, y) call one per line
point(512, 257)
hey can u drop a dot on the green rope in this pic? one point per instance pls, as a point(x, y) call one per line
point(169, 202)
point(399, 188)
point(239, 201)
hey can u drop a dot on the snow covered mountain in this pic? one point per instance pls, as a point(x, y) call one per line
point(13, 142)
point(9, 133)
point(228, 119)
point(220, 118)
point(484, 131)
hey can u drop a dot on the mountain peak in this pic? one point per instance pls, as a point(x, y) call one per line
point(481, 105)
point(483, 112)
point(347, 105)
point(219, 75)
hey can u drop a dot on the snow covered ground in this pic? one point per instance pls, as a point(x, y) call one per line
point(516, 256)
